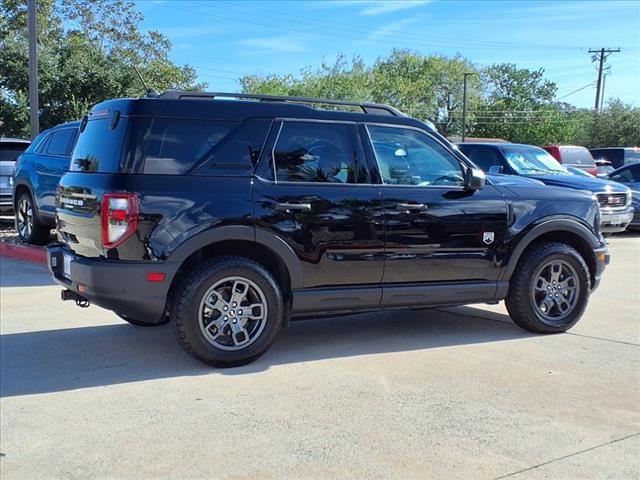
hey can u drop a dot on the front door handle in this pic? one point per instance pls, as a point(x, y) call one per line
point(293, 206)
point(411, 206)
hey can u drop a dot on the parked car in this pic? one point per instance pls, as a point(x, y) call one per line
point(38, 171)
point(635, 202)
point(604, 167)
point(629, 175)
point(579, 172)
point(618, 156)
point(230, 218)
point(533, 162)
point(10, 149)
point(573, 156)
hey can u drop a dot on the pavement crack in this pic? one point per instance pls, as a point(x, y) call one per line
point(616, 440)
point(603, 339)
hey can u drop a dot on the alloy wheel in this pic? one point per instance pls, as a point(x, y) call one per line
point(555, 291)
point(233, 313)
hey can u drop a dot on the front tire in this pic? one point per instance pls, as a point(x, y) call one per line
point(28, 226)
point(227, 312)
point(549, 290)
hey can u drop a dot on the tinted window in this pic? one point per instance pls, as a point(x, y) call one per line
point(410, 157)
point(315, 152)
point(99, 147)
point(576, 156)
point(631, 155)
point(483, 157)
point(61, 142)
point(626, 175)
point(11, 151)
point(174, 146)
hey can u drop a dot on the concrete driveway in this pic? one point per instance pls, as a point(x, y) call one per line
point(450, 393)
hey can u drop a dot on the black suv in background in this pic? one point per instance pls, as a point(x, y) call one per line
point(37, 173)
point(229, 217)
point(530, 161)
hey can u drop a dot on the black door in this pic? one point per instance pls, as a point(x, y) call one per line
point(436, 230)
point(313, 192)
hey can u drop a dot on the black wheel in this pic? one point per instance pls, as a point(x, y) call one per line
point(227, 312)
point(549, 290)
point(140, 323)
point(30, 229)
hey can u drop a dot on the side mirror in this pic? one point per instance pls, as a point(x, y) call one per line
point(475, 179)
point(496, 169)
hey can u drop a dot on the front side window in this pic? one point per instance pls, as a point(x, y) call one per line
point(627, 175)
point(315, 152)
point(410, 157)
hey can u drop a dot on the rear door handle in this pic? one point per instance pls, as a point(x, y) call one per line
point(411, 206)
point(293, 206)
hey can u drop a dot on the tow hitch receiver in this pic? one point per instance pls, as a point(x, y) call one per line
point(71, 295)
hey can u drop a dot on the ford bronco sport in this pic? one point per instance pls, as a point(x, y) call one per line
point(230, 214)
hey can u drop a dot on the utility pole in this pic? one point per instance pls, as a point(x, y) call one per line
point(604, 80)
point(601, 57)
point(33, 69)
point(464, 106)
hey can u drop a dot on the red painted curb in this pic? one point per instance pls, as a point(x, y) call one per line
point(23, 252)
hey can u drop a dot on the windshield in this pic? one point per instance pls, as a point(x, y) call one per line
point(530, 160)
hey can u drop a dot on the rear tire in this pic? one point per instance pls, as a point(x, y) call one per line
point(549, 290)
point(28, 226)
point(140, 323)
point(227, 312)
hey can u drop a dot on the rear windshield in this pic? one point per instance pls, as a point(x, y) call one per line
point(9, 152)
point(576, 156)
point(99, 147)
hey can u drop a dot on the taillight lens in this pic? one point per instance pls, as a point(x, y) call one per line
point(119, 218)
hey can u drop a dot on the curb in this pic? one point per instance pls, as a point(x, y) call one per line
point(24, 252)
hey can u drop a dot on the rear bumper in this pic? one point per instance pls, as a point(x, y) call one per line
point(115, 285)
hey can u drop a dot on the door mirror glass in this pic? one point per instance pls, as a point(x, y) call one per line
point(475, 179)
point(495, 169)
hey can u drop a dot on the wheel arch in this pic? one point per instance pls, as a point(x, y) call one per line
point(569, 232)
point(261, 246)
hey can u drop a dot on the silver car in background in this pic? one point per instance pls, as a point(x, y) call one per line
point(10, 150)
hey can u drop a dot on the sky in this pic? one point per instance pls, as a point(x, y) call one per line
point(224, 40)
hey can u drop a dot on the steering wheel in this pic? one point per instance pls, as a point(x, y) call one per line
point(450, 178)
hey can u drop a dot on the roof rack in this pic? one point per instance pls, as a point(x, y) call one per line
point(371, 108)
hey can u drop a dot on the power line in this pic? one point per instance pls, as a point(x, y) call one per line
point(577, 90)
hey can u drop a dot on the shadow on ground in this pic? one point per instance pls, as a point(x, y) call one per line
point(60, 360)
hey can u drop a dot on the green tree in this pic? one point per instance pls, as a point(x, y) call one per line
point(519, 106)
point(87, 50)
point(618, 125)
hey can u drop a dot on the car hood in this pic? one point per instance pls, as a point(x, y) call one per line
point(499, 179)
point(580, 183)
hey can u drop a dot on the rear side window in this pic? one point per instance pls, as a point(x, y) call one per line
point(483, 157)
point(315, 152)
point(576, 156)
point(175, 146)
point(60, 142)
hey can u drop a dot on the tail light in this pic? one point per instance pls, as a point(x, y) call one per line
point(119, 218)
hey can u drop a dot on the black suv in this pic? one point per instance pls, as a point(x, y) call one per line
point(230, 214)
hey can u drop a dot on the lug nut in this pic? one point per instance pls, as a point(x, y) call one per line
point(235, 321)
point(225, 319)
point(225, 308)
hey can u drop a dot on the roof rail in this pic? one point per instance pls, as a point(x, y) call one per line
point(372, 108)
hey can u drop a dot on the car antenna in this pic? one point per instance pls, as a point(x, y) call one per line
point(150, 91)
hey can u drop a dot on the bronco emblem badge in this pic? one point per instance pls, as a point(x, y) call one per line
point(488, 237)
